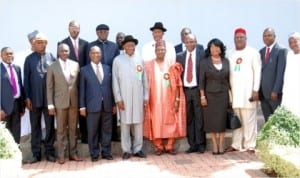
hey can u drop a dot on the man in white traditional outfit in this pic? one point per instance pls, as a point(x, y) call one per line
point(130, 90)
point(148, 50)
point(245, 73)
point(291, 86)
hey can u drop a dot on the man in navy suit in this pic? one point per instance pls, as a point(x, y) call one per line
point(195, 134)
point(109, 50)
point(181, 46)
point(80, 56)
point(12, 93)
point(96, 104)
point(35, 71)
point(273, 59)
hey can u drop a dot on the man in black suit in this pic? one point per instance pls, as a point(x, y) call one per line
point(195, 134)
point(109, 51)
point(273, 59)
point(12, 93)
point(96, 104)
point(79, 53)
point(35, 71)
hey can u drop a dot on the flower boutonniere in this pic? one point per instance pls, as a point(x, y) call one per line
point(167, 79)
point(238, 64)
point(139, 71)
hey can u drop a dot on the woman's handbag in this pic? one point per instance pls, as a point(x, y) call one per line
point(233, 121)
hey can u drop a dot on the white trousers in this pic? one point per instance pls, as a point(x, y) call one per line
point(248, 131)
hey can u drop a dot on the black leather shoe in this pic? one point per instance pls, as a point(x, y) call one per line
point(34, 160)
point(201, 150)
point(94, 159)
point(126, 155)
point(50, 158)
point(191, 150)
point(108, 157)
point(140, 154)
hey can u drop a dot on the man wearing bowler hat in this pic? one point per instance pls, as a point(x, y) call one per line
point(148, 50)
point(130, 90)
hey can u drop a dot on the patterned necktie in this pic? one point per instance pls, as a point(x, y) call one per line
point(189, 75)
point(76, 49)
point(12, 79)
point(267, 56)
point(99, 76)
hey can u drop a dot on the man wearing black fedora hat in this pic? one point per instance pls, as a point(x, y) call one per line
point(148, 50)
point(130, 90)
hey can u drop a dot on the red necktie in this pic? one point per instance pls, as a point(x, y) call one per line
point(267, 56)
point(76, 49)
point(12, 79)
point(189, 75)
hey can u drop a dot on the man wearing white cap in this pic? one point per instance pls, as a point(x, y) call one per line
point(35, 70)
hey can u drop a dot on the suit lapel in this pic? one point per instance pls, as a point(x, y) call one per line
point(93, 74)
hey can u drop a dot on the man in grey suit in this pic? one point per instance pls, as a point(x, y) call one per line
point(62, 98)
point(35, 72)
point(96, 104)
point(273, 59)
point(12, 93)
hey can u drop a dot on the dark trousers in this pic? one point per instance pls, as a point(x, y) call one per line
point(36, 132)
point(83, 129)
point(115, 130)
point(268, 106)
point(195, 134)
point(13, 121)
point(99, 123)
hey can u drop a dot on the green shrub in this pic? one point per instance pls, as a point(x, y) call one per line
point(8, 147)
point(282, 128)
point(279, 143)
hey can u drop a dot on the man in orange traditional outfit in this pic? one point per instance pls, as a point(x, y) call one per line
point(165, 117)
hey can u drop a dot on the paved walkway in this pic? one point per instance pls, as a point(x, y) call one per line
point(231, 165)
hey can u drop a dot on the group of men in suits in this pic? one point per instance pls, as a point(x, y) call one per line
point(56, 92)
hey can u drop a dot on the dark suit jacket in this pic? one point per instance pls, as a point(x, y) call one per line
point(181, 57)
point(178, 48)
point(7, 97)
point(213, 80)
point(83, 53)
point(273, 71)
point(92, 92)
point(35, 79)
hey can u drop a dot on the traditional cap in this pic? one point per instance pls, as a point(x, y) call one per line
point(129, 38)
point(102, 27)
point(294, 35)
point(41, 37)
point(160, 43)
point(158, 25)
point(240, 30)
point(32, 35)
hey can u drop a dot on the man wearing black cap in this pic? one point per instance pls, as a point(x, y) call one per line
point(148, 50)
point(130, 90)
point(109, 51)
